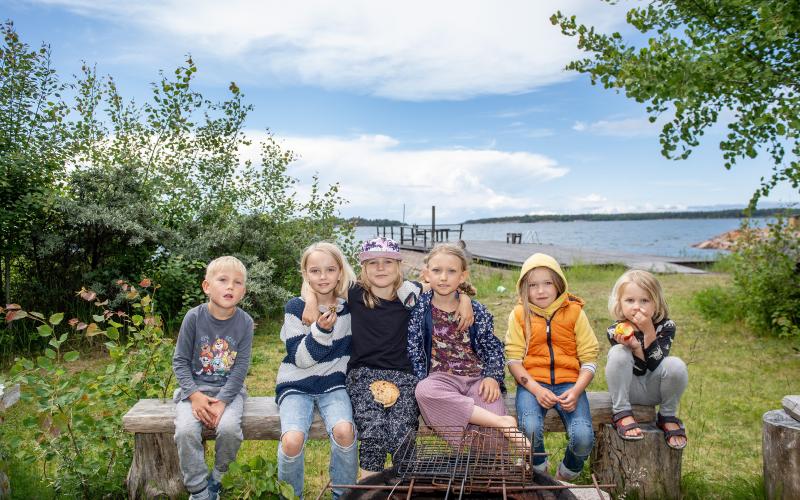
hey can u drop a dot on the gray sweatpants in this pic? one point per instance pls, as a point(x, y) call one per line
point(188, 438)
point(664, 386)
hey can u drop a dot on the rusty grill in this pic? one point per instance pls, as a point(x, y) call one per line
point(455, 459)
point(476, 462)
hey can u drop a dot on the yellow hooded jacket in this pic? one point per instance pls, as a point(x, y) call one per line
point(561, 340)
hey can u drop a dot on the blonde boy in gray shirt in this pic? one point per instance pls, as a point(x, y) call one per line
point(211, 359)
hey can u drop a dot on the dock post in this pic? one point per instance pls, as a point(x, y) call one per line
point(433, 225)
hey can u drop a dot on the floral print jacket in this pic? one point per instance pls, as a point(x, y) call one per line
point(486, 345)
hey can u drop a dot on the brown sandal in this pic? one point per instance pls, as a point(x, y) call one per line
point(661, 422)
point(622, 429)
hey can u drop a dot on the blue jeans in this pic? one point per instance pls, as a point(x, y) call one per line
point(297, 414)
point(578, 424)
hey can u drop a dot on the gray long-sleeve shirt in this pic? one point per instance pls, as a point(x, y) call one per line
point(212, 354)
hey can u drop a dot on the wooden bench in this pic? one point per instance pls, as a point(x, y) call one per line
point(155, 472)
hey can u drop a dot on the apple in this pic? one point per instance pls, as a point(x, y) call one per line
point(624, 328)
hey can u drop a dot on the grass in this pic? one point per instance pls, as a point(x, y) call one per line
point(734, 377)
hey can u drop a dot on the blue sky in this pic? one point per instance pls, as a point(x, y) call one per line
point(463, 105)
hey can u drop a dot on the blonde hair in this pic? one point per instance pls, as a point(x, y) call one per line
point(348, 276)
point(227, 262)
point(647, 282)
point(370, 299)
point(458, 252)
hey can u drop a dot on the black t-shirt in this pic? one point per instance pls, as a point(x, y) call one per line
point(380, 335)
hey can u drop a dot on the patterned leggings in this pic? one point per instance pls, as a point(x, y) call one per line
point(381, 430)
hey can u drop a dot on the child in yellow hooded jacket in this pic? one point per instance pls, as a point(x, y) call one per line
point(551, 351)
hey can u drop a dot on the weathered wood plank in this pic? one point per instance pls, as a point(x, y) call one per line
point(155, 470)
point(499, 252)
point(9, 396)
point(780, 447)
point(261, 420)
point(647, 468)
point(791, 404)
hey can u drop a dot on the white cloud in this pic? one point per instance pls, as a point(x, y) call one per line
point(626, 127)
point(411, 50)
point(378, 175)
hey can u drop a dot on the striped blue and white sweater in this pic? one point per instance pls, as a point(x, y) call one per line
point(316, 360)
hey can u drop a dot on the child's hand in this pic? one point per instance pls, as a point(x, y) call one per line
point(464, 312)
point(327, 320)
point(546, 398)
point(311, 310)
point(489, 390)
point(642, 322)
point(202, 409)
point(568, 400)
point(217, 409)
point(631, 342)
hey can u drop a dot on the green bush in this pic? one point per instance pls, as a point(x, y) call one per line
point(77, 441)
point(766, 281)
point(718, 303)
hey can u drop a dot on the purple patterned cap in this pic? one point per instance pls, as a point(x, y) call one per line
point(379, 247)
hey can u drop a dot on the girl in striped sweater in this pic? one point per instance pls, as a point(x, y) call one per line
point(313, 371)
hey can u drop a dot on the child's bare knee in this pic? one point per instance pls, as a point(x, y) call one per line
point(292, 443)
point(343, 434)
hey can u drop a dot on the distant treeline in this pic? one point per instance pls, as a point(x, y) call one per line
point(710, 214)
point(359, 221)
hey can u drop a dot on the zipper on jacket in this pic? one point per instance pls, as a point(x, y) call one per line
point(552, 355)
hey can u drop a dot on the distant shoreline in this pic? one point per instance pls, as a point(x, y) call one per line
point(696, 214)
point(705, 214)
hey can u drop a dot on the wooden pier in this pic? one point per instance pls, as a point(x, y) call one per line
point(419, 237)
point(502, 253)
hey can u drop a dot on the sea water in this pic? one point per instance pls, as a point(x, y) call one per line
point(668, 237)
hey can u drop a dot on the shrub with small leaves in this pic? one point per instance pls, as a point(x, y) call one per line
point(257, 479)
point(77, 412)
point(766, 281)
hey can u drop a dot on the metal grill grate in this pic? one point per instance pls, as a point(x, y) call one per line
point(471, 460)
point(476, 462)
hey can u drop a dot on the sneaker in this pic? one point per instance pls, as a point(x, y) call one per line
point(200, 495)
point(214, 487)
point(565, 475)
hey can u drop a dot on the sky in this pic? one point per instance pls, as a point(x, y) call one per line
point(463, 105)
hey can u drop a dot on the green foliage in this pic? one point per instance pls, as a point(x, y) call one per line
point(156, 189)
point(701, 61)
point(181, 289)
point(766, 274)
point(31, 143)
point(766, 277)
point(718, 303)
point(256, 479)
point(77, 412)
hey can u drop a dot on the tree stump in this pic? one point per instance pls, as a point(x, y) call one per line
point(648, 468)
point(781, 451)
point(155, 471)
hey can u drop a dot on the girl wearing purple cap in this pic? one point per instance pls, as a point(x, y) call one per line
point(380, 304)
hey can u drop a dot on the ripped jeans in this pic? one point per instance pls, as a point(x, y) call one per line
point(297, 414)
point(578, 423)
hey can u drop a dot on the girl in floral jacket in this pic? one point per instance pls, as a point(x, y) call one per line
point(460, 372)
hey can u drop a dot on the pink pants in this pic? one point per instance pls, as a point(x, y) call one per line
point(447, 400)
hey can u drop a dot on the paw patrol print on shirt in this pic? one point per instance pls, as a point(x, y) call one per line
point(216, 359)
